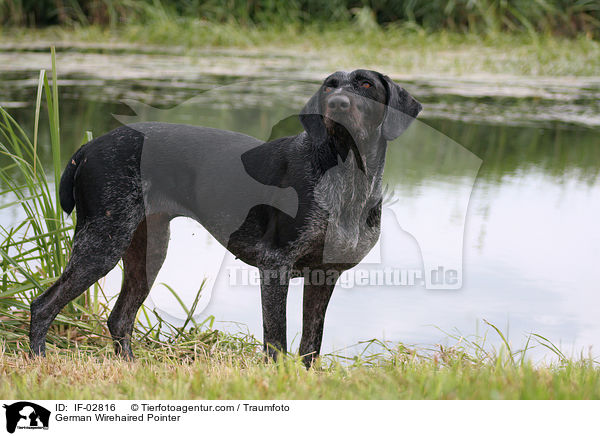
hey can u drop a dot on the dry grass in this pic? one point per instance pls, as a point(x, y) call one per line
point(220, 373)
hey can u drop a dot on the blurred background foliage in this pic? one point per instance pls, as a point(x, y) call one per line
point(553, 17)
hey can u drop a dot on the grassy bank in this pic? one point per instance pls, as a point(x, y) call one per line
point(399, 51)
point(234, 370)
point(464, 37)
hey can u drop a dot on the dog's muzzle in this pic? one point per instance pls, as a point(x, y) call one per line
point(338, 104)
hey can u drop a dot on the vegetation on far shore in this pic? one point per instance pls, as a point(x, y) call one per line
point(556, 17)
point(433, 38)
point(400, 52)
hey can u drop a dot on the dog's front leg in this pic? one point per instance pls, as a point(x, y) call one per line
point(317, 294)
point(273, 290)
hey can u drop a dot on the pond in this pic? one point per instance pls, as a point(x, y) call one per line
point(498, 181)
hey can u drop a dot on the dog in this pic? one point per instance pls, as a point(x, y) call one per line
point(307, 205)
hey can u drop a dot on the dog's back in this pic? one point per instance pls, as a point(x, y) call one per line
point(312, 201)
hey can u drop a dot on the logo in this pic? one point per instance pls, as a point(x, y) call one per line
point(26, 415)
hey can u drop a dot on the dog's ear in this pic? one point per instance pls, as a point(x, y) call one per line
point(312, 120)
point(404, 109)
point(266, 165)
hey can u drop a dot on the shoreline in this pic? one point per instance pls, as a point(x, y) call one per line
point(571, 99)
point(402, 54)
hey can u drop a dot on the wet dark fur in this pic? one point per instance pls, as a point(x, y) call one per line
point(335, 167)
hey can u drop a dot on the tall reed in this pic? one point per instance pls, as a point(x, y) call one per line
point(35, 249)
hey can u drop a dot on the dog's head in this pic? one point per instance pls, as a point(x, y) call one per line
point(365, 104)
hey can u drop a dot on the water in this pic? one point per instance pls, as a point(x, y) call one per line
point(525, 160)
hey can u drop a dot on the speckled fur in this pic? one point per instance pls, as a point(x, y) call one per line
point(335, 167)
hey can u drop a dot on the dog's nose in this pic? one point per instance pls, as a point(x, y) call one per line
point(339, 103)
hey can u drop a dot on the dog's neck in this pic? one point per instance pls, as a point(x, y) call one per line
point(348, 186)
point(366, 158)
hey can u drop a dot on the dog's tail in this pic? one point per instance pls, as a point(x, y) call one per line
point(67, 182)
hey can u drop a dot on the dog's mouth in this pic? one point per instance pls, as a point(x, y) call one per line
point(346, 118)
point(340, 122)
point(346, 140)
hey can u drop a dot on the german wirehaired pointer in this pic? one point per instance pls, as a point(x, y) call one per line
point(302, 206)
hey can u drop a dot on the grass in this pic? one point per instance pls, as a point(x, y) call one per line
point(398, 50)
point(196, 361)
point(221, 366)
point(41, 238)
point(35, 250)
point(425, 38)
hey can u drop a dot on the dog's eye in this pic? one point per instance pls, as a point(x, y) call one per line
point(366, 84)
point(330, 85)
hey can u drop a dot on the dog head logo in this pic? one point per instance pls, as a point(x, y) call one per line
point(26, 415)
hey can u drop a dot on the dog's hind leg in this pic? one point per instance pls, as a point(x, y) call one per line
point(141, 263)
point(98, 245)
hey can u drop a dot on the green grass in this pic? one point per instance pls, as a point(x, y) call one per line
point(424, 37)
point(34, 250)
point(221, 366)
point(397, 50)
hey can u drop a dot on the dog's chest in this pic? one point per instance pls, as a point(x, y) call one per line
point(346, 202)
